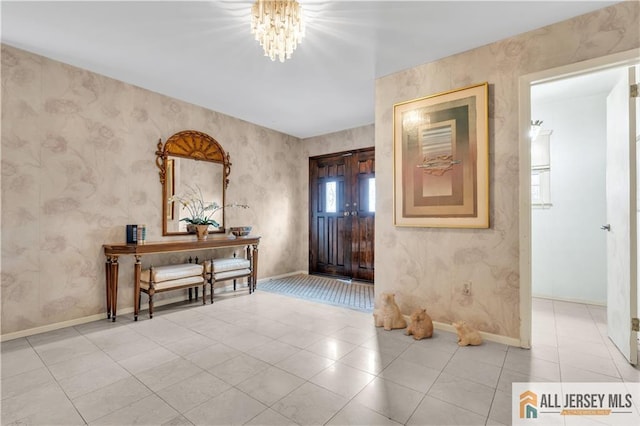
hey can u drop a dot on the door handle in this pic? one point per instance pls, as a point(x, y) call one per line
point(606, 227)
point(345, 214)
point(354, 213)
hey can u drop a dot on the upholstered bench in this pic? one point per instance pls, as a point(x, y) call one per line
point(217, 270)
point(170, 277)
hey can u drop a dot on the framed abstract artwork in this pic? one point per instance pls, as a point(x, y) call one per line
point(441, 160)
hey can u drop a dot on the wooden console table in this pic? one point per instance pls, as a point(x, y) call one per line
point(113, 251)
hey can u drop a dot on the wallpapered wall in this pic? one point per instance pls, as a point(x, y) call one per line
point(78, 164)
point(346, 140)
point(426, 267)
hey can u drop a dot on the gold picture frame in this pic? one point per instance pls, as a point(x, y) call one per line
point(441, 160)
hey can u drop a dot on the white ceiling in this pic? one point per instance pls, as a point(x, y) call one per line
point(202, 52)
point(591, 83)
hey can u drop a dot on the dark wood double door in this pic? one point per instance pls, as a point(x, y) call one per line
point(342, 214)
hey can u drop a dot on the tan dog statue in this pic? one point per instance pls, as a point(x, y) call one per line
point(421, 325)
point(467, 335)
point(388, 315)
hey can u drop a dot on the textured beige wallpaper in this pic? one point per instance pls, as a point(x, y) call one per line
point(78, 164)
point(346, 140)
point(426, 267)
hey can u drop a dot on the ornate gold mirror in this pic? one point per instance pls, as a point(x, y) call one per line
point(193, 168)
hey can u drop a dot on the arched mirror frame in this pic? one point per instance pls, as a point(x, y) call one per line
point(194, 145)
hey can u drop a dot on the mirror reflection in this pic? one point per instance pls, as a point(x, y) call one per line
point(194, 173)
point(187, 178)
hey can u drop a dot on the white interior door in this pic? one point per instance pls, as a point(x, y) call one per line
point(622, 302)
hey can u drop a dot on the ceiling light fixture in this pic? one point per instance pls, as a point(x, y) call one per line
point(278, 26)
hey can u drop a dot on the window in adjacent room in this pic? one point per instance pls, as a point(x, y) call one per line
point(541, 170)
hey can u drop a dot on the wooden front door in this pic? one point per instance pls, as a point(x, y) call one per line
point(342, 214)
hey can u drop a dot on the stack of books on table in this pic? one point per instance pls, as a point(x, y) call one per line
point(136, 234)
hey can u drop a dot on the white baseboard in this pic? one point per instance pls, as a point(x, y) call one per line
point(565, 299)
point(83, 320)
point(121, 311)
point(51, 327)
point(102, 316)
point(277, 277)
point(510, 341)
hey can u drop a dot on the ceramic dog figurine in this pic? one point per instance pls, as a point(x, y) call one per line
point(421, 325)
point(467, 335)
point(388, 315)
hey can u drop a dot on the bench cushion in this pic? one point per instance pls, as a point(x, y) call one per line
point(180, 282)
point(172, 272)
point(219, 276)
point(228, 264)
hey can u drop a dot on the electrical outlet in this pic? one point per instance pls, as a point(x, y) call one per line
point(466, 288)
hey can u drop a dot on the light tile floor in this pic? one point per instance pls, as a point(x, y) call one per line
point(266, 359)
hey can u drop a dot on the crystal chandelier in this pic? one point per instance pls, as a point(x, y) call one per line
point(278, 27)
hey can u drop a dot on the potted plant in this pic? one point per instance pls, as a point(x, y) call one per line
point(200, 211)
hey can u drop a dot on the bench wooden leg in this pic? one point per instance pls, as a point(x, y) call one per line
point(150, 305)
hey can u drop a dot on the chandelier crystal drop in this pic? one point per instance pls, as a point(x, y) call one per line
point(278, 26)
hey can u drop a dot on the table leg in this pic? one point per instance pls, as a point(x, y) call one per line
point(107, 270)
point(113, 275)
point(254, 264)
point(137, 271)
point(250, 277)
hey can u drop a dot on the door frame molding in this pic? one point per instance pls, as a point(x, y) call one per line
point(343, 153)
point(629, 57)
point(346, 153)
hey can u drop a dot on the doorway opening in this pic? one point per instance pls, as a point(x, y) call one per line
point(564, 186)
point(342, 215)
point(568, 187)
